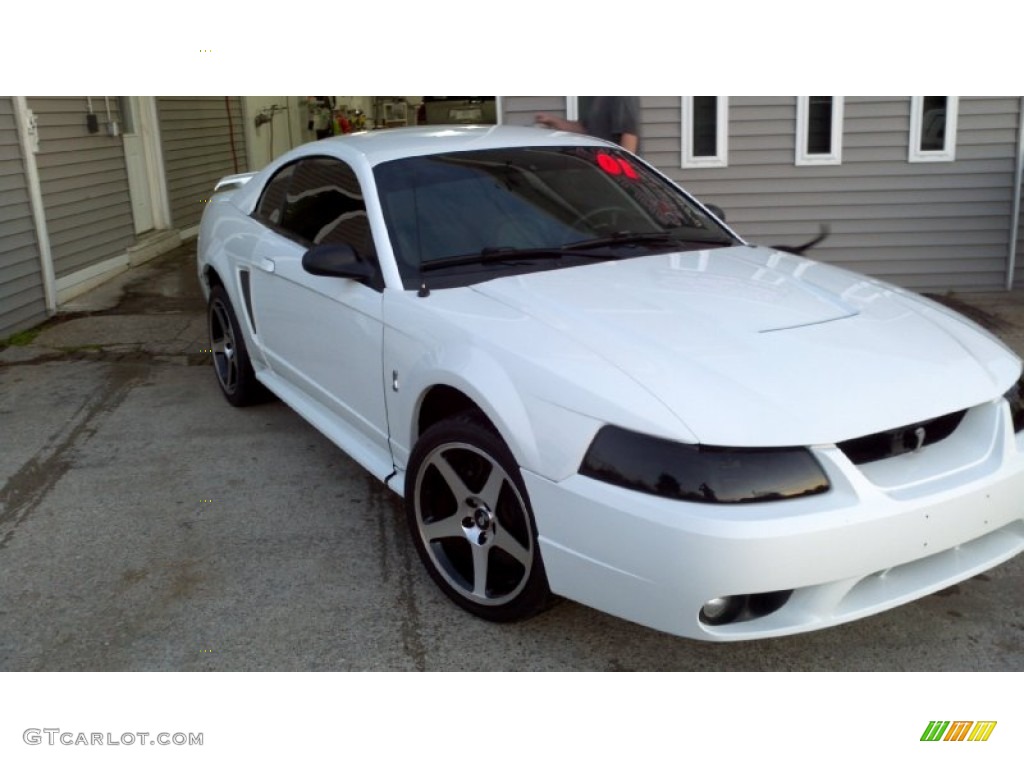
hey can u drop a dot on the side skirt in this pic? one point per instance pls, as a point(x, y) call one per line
point(352, 442)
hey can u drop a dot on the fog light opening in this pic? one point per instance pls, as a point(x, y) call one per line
point(768, 602)
point(737, 608)
point(722, 610)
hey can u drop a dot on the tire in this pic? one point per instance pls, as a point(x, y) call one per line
point(231, 363)
point(470, 519)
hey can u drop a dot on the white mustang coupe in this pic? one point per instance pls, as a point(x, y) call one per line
point(584, 384)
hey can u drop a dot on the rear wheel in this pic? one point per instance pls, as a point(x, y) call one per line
point(231, 363)
point(470, 518)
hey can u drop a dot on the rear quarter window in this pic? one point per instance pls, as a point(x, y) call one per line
point(271, 206)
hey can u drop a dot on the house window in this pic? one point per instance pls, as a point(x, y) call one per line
point(932, 129)
point(819, 130)
point(705, 141)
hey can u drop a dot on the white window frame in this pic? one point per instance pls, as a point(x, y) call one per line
point(721, 158)
point(948, 152)
point(572, 108)
point(803, 117)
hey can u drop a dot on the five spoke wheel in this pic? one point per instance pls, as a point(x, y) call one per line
point(231, 363)
point(472, 524)
point(222, 343)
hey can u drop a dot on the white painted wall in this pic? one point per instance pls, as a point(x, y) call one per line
point(287, 129)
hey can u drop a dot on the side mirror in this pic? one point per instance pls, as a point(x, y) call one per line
point(719, 213)
point(337, 260)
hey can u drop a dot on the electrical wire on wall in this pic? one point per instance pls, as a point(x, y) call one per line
point(231, 133)
point(288, 116)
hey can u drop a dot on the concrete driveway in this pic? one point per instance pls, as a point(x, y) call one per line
point(147, 525)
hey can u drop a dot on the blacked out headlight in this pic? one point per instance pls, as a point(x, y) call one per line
point(1016, 399)
point(701, 473)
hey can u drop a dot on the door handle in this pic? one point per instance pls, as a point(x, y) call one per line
point(267, 265)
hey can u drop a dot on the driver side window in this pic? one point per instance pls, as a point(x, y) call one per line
point(318, 200)
point(324, 204)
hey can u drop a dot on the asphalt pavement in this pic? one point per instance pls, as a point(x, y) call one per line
point(147, 525)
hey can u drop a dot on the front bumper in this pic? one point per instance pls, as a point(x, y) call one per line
point(887, 533)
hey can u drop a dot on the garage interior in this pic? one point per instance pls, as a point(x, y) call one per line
point(276, 124)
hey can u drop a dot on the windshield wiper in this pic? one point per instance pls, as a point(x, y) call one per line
point(641, 238)
point(502, 254)
point(622, 238)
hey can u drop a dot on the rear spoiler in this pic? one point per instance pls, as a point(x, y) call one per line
point(233, 182)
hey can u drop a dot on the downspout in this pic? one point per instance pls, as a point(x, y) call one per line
point(1018, 180)
point(29, 135)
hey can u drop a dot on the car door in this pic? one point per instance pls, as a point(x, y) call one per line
point(321, 335)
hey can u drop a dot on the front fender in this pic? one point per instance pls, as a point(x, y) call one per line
point(538, 386)
point(468, 370)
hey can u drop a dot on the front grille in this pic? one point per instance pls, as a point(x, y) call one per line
point(894, 442)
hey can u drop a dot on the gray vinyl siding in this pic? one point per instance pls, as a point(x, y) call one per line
point(22, 300)
point(84, 183)
point(521, 110)
point(926, 226)
point(1018, 277)
point(202, 142)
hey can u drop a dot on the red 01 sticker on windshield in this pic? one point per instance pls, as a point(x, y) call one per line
point(616, 166)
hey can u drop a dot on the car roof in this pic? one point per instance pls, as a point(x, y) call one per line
point(370, 148)
point(391, 144)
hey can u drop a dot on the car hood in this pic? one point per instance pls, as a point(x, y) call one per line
point(750, 346)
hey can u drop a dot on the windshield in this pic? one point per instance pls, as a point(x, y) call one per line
point(462, 217)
